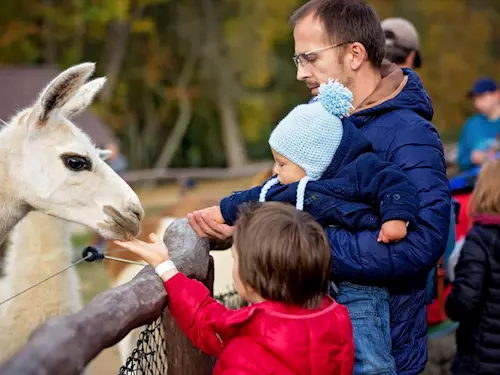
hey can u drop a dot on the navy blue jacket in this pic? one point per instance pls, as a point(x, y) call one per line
point(357, 191)
point(396, 120)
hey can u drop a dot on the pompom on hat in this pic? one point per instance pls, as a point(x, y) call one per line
point(310, 135)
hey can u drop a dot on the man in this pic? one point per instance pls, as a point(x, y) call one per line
point(402, 45)
point(481, 130)
point(343, 39)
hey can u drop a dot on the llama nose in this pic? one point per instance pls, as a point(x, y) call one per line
point(137, 211)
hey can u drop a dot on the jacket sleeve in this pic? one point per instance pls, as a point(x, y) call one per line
point(359, 258)
point(467, 288)
point(229, 205)
point(198, 315)
point(384, 186)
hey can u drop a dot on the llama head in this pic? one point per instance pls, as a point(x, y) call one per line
point(56, 169)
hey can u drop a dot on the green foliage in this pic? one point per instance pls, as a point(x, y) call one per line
point(459, 42)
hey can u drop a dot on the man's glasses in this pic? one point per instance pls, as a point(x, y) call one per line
point(303, 60)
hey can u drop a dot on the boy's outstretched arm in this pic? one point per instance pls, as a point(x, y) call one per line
point(202, 319)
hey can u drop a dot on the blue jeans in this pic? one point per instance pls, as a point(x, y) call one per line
point(369, 310)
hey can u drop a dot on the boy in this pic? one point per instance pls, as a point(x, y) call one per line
point(292, 326)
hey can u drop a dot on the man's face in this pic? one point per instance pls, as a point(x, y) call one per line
point(309, 36)
point(487, 103)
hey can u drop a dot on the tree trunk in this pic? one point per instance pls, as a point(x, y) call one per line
point(118, 39)
point(185, 114)
point(50, 45)
point(235, 149)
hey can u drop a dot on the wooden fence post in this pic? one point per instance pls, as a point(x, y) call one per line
point(183, 357)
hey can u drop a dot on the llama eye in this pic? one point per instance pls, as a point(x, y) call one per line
point(76, 163)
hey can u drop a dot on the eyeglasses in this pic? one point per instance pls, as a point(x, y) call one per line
point(302, 59)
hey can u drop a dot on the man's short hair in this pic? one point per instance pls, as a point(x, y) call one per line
point(401, 38)
point(347, 21)
point(283, 253)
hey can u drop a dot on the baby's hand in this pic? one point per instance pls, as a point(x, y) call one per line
point(392, 231)
point(154, 252)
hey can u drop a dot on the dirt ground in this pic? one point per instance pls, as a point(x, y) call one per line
point(94, 278)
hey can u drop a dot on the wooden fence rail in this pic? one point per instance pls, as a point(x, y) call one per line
point(65, 345)
point(179, 174)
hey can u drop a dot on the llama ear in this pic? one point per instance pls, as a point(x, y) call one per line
point(104, 154)
point(60, 91)
point(83, 97)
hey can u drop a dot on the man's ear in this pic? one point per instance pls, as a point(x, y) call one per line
point(358, 55)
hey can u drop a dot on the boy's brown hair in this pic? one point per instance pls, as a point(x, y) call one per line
point(283, 253)
point(486, 195)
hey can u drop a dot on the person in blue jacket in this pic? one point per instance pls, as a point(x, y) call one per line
point(343, 39)
point(481, 130)
point(315, 153)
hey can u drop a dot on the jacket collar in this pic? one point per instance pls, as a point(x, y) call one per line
point(392, 83)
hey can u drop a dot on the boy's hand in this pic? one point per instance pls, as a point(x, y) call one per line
point(392, 231)
point(153, 252)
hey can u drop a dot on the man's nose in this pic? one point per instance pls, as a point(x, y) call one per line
point(302, 74)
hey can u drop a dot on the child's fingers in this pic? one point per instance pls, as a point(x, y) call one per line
point(133, 245)
point(124, 244)
point(379, 238)
point(153, 237)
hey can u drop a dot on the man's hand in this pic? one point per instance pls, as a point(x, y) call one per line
point(209, 223)
point(478, 157)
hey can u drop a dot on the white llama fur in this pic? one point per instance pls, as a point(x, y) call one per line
point(34, 150)
point(40, 247)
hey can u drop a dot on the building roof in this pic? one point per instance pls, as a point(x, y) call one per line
point(19, 88)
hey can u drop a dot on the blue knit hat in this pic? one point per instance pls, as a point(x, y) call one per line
point(310, 135)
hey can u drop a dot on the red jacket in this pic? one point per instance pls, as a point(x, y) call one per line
point(264, 338)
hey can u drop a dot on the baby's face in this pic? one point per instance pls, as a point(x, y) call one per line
point(287, 171)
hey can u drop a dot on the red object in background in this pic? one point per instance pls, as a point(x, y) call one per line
point(464, 222)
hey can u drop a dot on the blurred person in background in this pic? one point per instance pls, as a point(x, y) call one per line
point(116, 159)
point(402, 44)
point(480, 131)
point(475, 297)
point(402, 47)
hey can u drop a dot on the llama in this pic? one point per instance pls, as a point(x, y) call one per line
point(50, 165)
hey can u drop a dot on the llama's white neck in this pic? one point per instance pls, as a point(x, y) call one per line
point(12, 208)
point(40, 246)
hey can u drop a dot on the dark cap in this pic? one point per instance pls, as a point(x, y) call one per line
point(481, 86)
point(401, 34)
